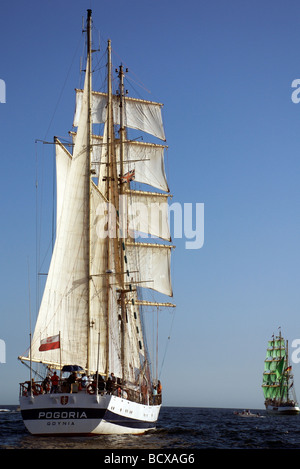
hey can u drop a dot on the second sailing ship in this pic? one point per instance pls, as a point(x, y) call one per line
point(278, 384)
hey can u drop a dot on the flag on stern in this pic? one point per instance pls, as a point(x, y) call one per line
point(50, 343)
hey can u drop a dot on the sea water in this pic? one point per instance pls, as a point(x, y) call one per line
point(184, 429)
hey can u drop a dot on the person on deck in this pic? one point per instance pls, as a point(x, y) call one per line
point(46, 384)
point(84, 380)
point(54, 382)
point(154, 394)
point(159, 390)
point(101, 383)
point(109, 385)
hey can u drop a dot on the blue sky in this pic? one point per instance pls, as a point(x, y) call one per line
point(224, 72)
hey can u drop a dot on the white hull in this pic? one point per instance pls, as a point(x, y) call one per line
point(283, 410)
point(84, 414)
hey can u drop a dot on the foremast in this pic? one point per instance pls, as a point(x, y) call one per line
point(121, 235)
point(89, 160)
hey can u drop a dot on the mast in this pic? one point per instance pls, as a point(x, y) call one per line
point(122, 239)
point(89, 148)
point(108, 184)
point(122, 128)
point(282, 379)
point(287, 373)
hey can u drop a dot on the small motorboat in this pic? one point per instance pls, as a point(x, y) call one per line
point(247, 413)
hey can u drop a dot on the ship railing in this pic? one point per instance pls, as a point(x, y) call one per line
point(35, 388)
point(39, 387)
point(134, 395)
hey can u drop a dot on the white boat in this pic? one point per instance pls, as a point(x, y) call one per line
point(248, 413)
point(278, 383)
point(90, 321)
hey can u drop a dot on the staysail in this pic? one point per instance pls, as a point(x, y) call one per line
point(64, 304)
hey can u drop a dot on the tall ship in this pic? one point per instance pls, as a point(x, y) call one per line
point(89, 334)
point(278, 383)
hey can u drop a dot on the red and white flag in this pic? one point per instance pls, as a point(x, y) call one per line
point(50, 343)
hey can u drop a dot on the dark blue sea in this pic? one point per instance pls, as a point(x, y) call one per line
point(182, 432)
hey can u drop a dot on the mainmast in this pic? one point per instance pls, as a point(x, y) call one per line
point(107, 194)
point(114, 188)
point(122, 239)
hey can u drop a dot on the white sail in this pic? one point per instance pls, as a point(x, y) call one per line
point(139, 114)
point(64, 304)
point(145, 116)
point(154, 263)
point(136, 347)
point(97, 153)
point(99, 300)
point(63, 164)
point(147, 160)
point(148, 214)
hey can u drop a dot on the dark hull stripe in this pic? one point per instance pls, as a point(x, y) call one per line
point(127, 422)
point(80, 414)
